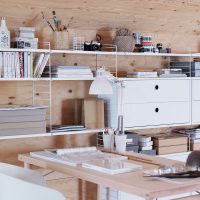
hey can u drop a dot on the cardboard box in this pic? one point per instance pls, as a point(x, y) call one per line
point(169, 140)
point(171, 149)
point(93, 113)
point(194, 146)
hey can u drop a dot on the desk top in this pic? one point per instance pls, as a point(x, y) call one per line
point(132, 182)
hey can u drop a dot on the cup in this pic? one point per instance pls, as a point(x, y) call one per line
point(120, 142)
point(108, 141)
point(61, 40)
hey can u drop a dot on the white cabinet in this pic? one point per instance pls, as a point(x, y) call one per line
point(156, 102)
point(145, 91)
point(195, 101)
point(156, 114)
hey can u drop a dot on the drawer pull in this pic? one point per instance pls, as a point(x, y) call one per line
point(157, 110)
point(156, 87)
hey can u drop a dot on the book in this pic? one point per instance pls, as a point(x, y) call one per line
point(1, 64)
point(37, 63)
point(21, 64)
point(146, 144)
point(43, 64)
point(142, 75)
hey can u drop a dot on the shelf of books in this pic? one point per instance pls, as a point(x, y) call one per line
point(19, 64)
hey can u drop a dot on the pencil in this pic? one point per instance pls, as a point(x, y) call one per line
point(49, 24)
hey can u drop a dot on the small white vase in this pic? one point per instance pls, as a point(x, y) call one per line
point(120, 143)
point(108, 141)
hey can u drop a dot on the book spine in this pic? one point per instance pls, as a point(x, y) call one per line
point(21, 64)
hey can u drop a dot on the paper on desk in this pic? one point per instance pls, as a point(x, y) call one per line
point(76, 156)
point(111, 167)
point(47, 155)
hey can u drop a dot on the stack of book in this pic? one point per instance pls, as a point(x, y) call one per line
point(170, 73)
point(166, 144)
point(22, 120)
point(188, 68)
point(132, 142)
point(67, 128)
point(68, 72)
point(146, 145)
point(25, 38)
point(22, 64)
point(142, 75)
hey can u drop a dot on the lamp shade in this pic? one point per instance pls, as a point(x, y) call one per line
point(100, 86)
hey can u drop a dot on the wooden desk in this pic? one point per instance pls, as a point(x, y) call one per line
point(133, 182)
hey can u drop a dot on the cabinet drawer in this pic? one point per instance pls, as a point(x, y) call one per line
point(195, 112)
point(154, 114)
point(142, 91)
point(196, 89)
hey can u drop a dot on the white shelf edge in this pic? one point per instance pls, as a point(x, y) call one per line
point(51, 134)
point(25, 79)
point(77, 132)
point(52, 51)
point(157, 78)
point(119, 53)
point(72, 79)
point(24, 136)
point(25, 50)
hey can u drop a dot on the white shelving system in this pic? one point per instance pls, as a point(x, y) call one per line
point(50, 51)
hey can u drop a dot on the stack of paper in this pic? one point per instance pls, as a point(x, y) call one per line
point(22, 120)
point(66, 128)
point(68, 72)
point(111, 166)
point(89, 157)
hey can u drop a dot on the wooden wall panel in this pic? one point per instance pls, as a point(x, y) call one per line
point(174, 23)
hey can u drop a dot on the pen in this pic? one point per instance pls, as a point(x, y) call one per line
point(49, 24)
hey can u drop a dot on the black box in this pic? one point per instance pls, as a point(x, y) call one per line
point(148, 152)
point(132, 137)
point(133, 148)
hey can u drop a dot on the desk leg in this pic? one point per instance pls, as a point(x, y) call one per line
point(98, 192)
point(27, 165)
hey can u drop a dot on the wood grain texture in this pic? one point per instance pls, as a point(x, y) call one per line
point(175, 23)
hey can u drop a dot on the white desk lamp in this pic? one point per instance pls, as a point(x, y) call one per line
point(102, 86)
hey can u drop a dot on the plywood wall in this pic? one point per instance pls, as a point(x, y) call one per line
point(174, 23)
